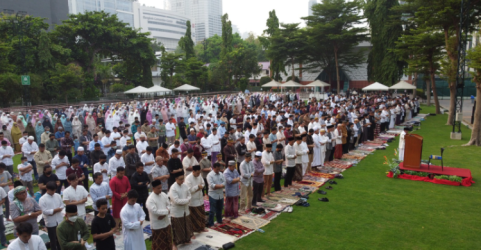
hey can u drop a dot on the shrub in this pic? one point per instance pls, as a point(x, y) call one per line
point(264, 80)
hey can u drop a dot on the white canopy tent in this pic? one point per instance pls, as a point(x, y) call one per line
point(402, 85)
point(159, 89)
point(186, 87)
point(272, 83)
point(376, 86)
point(318, 83)
point(137, 90)
point(292, 84)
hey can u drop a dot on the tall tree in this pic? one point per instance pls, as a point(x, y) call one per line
point(422, 49)
point(272, 23)
point(227, 38)
point(287, 46)
point(445, 16)
point(186, 42)
point(67, 81)
point(383, 65)
point(339, 21)
point(474, 56)
point(195, 72)
point(170, 64)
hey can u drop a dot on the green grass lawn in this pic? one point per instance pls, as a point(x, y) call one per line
point(367, 210)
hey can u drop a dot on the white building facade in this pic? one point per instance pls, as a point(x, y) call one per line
point(123, 8)
point(165, 26)
point(205, 16)
point(310, 4)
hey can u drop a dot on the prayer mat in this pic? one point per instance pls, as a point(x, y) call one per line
point(289, 191)
point(214, 238)
point(322, 175)
point(289, 200)
point(353, 156)
point(250, 222)
point(272, 206)
point(339, 165)
point(315, 179)
point(233, 229)
point(311, 183)
point(270, 215)
point(147, 230)
point(88, 219)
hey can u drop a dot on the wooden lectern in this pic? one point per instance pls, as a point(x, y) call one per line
point(413, 150)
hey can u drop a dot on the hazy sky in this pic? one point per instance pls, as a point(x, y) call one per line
point(251, 15)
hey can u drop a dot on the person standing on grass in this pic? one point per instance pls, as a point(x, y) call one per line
point(148, 159)
point(29, 149)
point(60, 163)
point(278, 160)
point(76, 195)
point(290, 153)
point(47, 177)
point(216, 181)
point(25, 172)
point(232, 179)
point(258, 179)
point(180, 196)
point(132, 219)
point(69, 230)
point(247, 172)
point(161, 173)
point(5, 181)
point(100, 190)
point(25, 238)
point(42, 158)
point(6, 157)
point(158, 205)
point(52, 205)
point(102, 167)
point(140, 182)
point(402, 143)
point(195, 183)
point(103, 226)
point(120, 186)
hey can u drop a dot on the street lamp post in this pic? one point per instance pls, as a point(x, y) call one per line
point(19, 27)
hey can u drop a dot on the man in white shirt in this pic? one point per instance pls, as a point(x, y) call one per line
point(189, 162)
point(170, 132)
point(25, 172)
point(205, 142)
point(176, 145)
point(29, 149)
point(75, 195)
point(268, 162)
point(60, 163)
point(124, 139)
point(251, 145)
point(52, 206)
point(142, 145)
point(6, 154)
point(148, 160)
point(26, 240)
point(158, 205)
point(246, 173)
point(115, 162)
point(180, 196)
point(195, 182)
point(115, 135)
point(100, 190)
point(291, 156)
point(106, 140)
point(103, 167)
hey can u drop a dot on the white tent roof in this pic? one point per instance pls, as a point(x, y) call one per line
point(402, 85)
point(186, 87)
point(137, 90)
point(272, 83)
point(318, 83)
point(159, 89)
point(376, 86)
point(291, 83)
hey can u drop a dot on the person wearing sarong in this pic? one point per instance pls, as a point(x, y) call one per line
point(195, 182)
point(299, 153)
point(120, 186)
point(158, 205)
point(338, 137)
point(232, 179)
point(180, 215)
point(133, 217)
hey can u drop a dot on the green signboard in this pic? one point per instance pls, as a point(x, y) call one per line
point(25, 79)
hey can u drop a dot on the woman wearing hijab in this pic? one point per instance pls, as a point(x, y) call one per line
point(30, 130)
point(76, 127)
point(16, 135)
point(46, 123)
point(38, 132)
point(67, 126)
point(20, 125)
point(100, 119)
point(90, 122)
point(57, 125)
point(63, 119)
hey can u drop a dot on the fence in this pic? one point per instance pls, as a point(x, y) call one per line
point(442, 87)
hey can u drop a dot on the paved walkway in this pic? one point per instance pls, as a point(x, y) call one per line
point(467, 108)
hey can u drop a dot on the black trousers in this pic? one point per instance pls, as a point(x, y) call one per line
point(345, 148)
point(277, 181)
point(328, 154)
point(142, 202)
point(64, 183)
point(206, 187)
point(331, 157)
point(52, 235)
point(257, 192)
point(289, 176)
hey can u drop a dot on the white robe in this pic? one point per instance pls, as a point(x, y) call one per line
point(316, 157)
point(131, 228)
point(323, 140)
point(401, 145)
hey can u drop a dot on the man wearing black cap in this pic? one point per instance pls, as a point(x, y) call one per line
point(158, 205)
point(68, 230)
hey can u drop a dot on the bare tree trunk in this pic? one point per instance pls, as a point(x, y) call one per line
point(435, 93)
point(476, 133)
point(428, 96)
point(452, 104)
point(337, 73)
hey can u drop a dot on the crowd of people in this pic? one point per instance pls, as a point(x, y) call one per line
point(158, 160)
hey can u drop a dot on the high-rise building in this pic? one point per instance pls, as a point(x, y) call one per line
point(123, 8)
point(310, 4)
point(55, 11)
point(165, 26)
point(205, 16)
